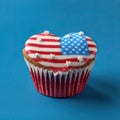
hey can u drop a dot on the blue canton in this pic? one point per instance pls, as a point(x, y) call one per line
point(74, 44)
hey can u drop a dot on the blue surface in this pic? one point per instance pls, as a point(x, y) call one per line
point(21, 18)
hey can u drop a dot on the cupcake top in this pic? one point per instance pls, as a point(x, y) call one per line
point(72, 51)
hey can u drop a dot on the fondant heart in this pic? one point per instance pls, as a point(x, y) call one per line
point(61, 54)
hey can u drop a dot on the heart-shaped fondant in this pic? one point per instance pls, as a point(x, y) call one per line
point(60, 54)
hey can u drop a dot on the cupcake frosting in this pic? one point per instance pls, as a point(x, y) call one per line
point(71, 51)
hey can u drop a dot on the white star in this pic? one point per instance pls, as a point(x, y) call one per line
point(76, 46)
point(63, 46)
point(79, 49)
point(68, 63)
point(52, 56)
point(70, 51)
point(37, 55)
point(82, 46)
point(73, 49)
point(73, 34)
point(84, 43)
point(80, 37)
point(81, 33)
point(64, 53)
point(66, 49)
point(69, 46)
point(72, 44)
point(86, 49)
point(81, 41)
point(83, 52)
point(80, 58)
point(39, 39)
point(77, 52)
point(46, 32)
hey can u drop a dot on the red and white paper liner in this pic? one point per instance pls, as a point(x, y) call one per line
point(60, 84)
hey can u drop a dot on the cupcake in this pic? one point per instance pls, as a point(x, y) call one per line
point(60, 66)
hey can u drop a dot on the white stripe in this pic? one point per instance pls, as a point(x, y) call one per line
point(88, 37)
point(42, 42)
point(61, 64)
point(59, 57)
point(92, 49)
point(90, 42)
point(45, 37)
point(43, 49)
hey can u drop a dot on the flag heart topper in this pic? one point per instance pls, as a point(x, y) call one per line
point(74, 44)
point(68, 52)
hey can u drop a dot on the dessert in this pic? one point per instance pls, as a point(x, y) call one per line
point(60, 66)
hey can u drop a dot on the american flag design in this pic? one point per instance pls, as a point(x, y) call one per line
point(74, 44)
point(61, 54)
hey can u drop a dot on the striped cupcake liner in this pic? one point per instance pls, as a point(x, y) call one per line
point(59, 84)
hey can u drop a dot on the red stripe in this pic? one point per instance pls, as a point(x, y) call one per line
point(40, 83)
point(67, 83)
point(92, 52)
point(42, 52)
point(60, 60)
point(50, 40)
point(55, 88)
point(73, 84)
point(32, 38)
point(43, 82)
point(50, 86)
point(88, 39)
point(34, 79)
point(43, 34)
point(46, 85)
point(77, 83)
point(81, 80)
point(44, 39)
point(56, 60)
point(69, 86)
point(91, 45)
point(43, 46)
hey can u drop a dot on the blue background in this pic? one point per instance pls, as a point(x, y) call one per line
point(21, 18)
